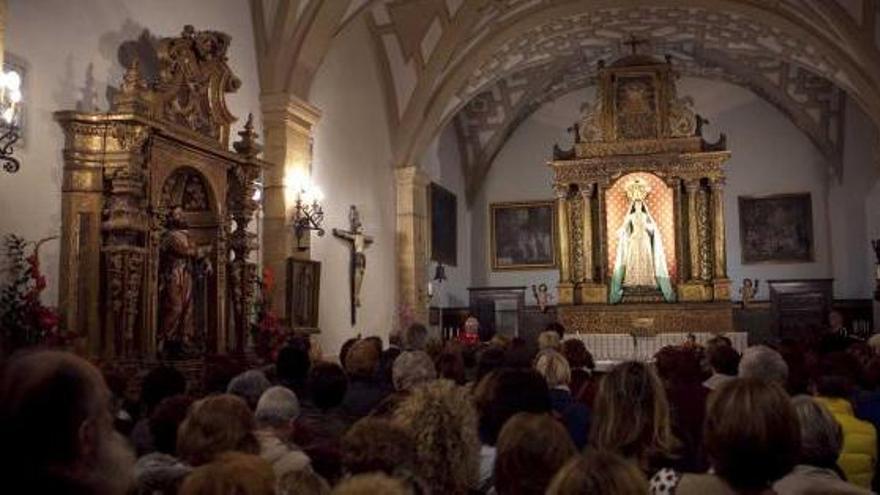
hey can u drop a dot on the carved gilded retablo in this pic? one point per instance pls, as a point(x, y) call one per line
point(640, 167)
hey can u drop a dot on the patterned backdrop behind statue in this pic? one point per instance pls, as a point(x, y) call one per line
point(641, 240)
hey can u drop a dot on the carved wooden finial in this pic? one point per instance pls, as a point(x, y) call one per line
point(247, 145)
point(132, 80)
point(133, 90)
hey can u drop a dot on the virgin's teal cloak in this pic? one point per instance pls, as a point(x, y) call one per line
point(661, 272)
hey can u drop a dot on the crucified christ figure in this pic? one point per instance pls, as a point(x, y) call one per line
point(358, 243)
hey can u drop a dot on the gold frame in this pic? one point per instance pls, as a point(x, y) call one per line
point(493, 259)
point(812, 254)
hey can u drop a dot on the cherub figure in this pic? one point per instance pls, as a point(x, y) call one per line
point(748, 291)
point(542, 296)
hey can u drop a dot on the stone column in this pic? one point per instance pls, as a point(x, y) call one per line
point(717, 186)
point(412, 241)
point(692, 187)
point(587, 196)
point(288, 123)
point(566, 292)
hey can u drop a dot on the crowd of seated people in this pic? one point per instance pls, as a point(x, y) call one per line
point(457, 417)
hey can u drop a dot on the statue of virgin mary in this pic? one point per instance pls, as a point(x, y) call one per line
point(640, 262)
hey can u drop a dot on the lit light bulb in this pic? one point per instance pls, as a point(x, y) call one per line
point(295, 184)
point(12, 80)
point(258, 194)
point(317, 194)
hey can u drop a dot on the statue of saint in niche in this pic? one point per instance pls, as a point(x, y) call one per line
point(640, 263)
point(182, 271)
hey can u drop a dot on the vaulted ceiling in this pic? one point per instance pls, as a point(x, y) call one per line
point(485, 65)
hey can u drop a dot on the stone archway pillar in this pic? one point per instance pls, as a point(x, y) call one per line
point(412, 241)
point(288, 124)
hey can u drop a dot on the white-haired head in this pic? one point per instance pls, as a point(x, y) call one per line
point(249, 385)
point(278, 407)
point(764, 363)
point(412, 368)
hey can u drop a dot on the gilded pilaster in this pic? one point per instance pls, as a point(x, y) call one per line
point(288, 123)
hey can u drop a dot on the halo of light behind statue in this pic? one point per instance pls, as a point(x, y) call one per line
point(640, 261)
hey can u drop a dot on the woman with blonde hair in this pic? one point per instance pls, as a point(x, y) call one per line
point(442, 417)
point(631, 417)
point(598, 472)
point(555, 369)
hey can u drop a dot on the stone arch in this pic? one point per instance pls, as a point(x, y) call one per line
point(822, 51)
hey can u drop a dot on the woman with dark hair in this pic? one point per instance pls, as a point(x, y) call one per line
point(679, 368)
point(498, 396)
point(531, 449)
point(631, 418)
point(752, 437)
point(584, 383)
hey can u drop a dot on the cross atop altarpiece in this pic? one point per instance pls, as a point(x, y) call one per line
point(358, 242)
point(633, 42)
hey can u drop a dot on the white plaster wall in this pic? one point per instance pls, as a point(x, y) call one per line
point(770, 156)
point(352, 165)
point(442, 163)
point(70, 52)
point(520, 173)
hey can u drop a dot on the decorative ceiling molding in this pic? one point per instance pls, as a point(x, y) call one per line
point(810, 102)
point(437, 55)
point(513, 35)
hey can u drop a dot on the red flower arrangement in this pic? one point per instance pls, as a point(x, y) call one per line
point(268, 334)
point(24, 319)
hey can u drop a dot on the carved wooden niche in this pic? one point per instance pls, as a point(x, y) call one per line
point(151, 190)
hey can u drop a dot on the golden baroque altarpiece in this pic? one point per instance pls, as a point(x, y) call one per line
point(156, 171)
point(640, 143)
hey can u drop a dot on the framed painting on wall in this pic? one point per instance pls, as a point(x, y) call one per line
point(523, 235)
point(776, 229)
point(303, 292)
point(444, 225)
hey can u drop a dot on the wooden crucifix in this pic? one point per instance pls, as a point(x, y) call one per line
point(358, 243)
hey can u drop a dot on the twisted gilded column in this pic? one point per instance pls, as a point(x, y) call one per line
point(717, 188)
point(692, 187)
point(587, 196)
point(600, 229)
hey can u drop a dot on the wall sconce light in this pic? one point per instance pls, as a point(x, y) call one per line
point(10, 129)
point(308, 214)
